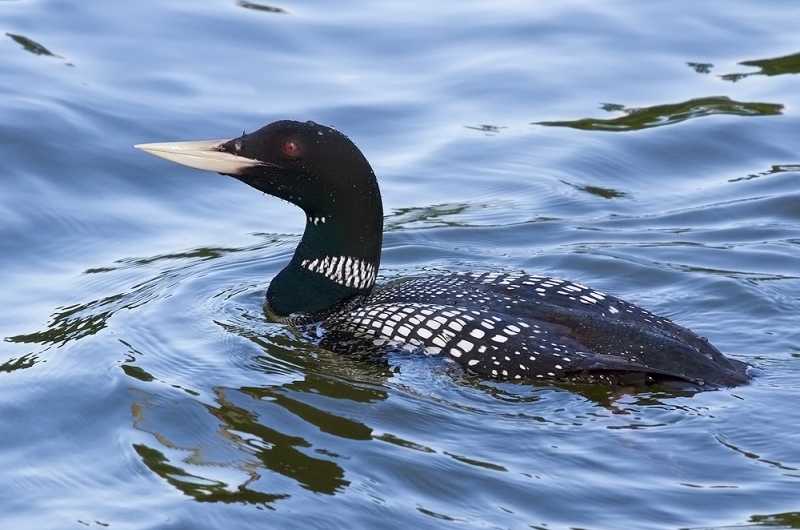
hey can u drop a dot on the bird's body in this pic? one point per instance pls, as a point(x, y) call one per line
point(498, 325)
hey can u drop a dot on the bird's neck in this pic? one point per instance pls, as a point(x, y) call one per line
point(336, 259)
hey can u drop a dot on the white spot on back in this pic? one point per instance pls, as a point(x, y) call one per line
point(465, 345)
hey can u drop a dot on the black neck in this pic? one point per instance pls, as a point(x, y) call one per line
point(337, 258)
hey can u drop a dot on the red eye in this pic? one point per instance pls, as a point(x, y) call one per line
point(291, 148)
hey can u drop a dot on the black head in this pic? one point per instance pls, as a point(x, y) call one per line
point(310, 165)
point(320, 170)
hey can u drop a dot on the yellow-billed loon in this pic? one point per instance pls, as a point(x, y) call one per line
point(498, 325)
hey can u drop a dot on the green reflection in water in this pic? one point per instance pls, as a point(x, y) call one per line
point(701, 68)
point(773, 170)
point(277, 451)
point(788, 64)
point(324, 421)
point(414, 217)
point(605, 193)
point(476, 463)
point(199, 488)
point(137, 372)
point(278, 430)
point(32, 46)
point(400, 442)
point(25, 361)
point(260, 447)
point(658, 115)
point(70, 323)
point(779, 520)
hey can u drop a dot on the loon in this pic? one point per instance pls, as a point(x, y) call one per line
point(496, 325)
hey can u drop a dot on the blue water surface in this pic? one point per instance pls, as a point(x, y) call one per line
point(647, 149)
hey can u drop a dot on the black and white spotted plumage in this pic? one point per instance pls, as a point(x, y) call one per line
point(514, 326)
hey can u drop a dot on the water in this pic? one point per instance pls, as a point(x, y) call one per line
point(623, 144)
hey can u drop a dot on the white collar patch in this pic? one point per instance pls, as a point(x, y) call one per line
point(344, 270)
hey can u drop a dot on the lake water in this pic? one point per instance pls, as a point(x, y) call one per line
point(647, 149)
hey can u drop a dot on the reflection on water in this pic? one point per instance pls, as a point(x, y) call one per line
point(778, 520)
point(72, 323)
point(489, 129)
point(32, 46)
point(260, 7)
point(417, 216)
point(605, 193)
point(246, 442)
point(701, 68)
point(788, 64)
point(200, 488)
point(771, 171)
point(658, 115)
point(25, 361)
